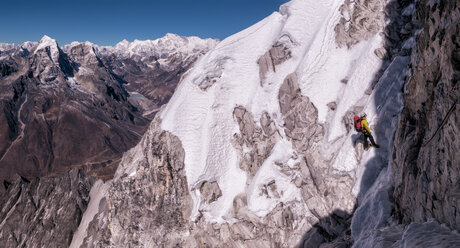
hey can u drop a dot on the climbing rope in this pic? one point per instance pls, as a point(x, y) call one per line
point(444, 121)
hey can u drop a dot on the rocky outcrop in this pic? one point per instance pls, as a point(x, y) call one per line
point(151, 204)
point(424, 170)
point(279, 53)
point(360, 20)
point(259, 141)
point(43, 212)
point(210, 191)
point(299, 114)
point(426, 165)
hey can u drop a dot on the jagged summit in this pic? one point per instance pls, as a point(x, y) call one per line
point(76, 43)
point(122, 44)
point(48, 43)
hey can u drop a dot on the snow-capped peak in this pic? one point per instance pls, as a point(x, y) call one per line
point(122, 44)
point(172, 36)
point(47, 42)
point(28, 44)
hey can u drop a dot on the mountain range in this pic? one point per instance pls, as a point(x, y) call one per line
point(82, 105)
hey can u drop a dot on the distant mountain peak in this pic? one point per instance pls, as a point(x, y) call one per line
point(124, 42)
point(48, 42)
point(173, 36)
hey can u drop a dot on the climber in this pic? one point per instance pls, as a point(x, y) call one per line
point(362, 126)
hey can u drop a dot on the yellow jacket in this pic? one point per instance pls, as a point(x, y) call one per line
point(365, 125)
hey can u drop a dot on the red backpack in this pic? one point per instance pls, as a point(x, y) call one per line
point(357, 120)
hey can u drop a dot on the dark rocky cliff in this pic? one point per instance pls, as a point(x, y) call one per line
point(426, 162)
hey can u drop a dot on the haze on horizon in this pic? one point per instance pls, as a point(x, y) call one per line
point(107, 22)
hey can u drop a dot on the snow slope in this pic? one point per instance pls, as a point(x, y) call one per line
point(201, 111)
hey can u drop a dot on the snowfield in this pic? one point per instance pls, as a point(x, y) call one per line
point(201, 111)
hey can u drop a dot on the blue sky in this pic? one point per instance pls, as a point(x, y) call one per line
point(106, 22)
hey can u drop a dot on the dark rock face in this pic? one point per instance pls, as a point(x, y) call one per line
point(78, 108)
point(426, 165)
point(43, 212)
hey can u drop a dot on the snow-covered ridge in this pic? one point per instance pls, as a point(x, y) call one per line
point(161, 47)
point(7, 46)
point(26, 45)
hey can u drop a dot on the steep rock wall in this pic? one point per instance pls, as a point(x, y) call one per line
point(426, 164)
